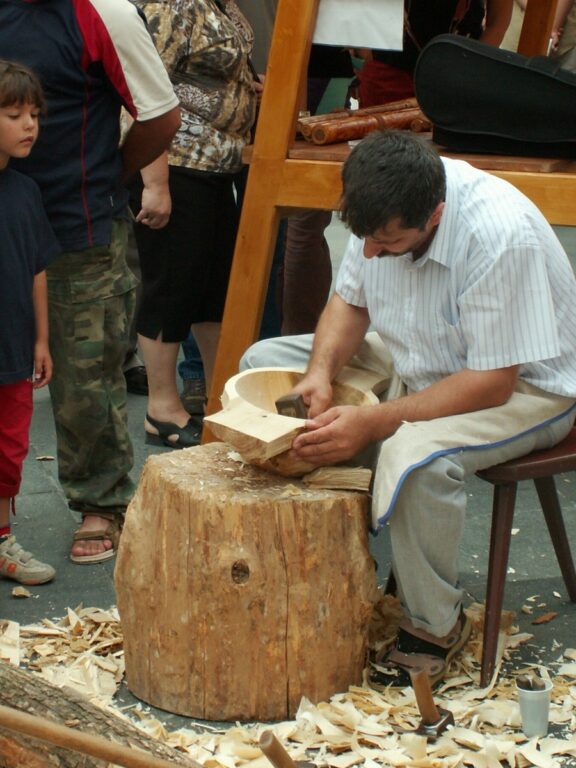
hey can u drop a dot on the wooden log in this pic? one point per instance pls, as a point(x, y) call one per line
point(263, 437)
point(305, 124)
point(54, 745)
point(420, 125)
point(240, 592)
point(357, 127)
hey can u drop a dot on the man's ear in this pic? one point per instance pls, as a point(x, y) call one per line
point(434, 219)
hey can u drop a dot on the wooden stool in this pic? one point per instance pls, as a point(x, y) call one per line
point(240, 591)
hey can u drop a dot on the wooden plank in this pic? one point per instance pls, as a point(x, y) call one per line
point(536, 28)
point(554, 193)
point(303, 150)
point(258, 227)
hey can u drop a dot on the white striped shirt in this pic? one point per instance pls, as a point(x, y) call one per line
point(494, 289)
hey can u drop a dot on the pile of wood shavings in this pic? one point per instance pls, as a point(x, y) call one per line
point(360, 727)
point(363, 727)
point(83, 651)
point(366, 728)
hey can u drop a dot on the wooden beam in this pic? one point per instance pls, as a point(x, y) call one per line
point(287, 66)
point(536, 28)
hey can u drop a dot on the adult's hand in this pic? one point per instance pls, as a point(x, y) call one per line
point(336, 435)
point(156, 206)
point(316, 392)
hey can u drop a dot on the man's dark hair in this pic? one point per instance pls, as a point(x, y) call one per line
point(389, 175)
point(19, 85)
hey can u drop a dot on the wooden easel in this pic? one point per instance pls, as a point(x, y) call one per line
point(281, 177)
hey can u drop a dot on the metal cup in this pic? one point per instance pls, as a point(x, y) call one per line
point(535, 709)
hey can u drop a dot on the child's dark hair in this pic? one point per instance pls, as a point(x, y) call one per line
point(19, 85)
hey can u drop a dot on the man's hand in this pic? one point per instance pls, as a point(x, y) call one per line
point(336, 435)
point(316, 392)
point(156, 206)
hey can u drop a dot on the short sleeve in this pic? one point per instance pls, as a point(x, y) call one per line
point(350, 279)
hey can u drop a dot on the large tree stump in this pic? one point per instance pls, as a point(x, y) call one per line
point(239, 591)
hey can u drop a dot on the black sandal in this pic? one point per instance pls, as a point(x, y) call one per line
point(185, 437)
point(412, 653)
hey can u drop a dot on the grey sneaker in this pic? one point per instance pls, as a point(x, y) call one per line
point(19, 565)
point(193, 396)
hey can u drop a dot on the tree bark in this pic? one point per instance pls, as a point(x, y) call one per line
point(26, 692)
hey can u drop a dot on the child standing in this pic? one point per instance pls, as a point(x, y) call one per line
point(27, 244)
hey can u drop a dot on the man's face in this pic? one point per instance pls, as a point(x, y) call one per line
point(395, 240)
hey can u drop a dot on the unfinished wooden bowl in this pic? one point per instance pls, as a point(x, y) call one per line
point(262, 436)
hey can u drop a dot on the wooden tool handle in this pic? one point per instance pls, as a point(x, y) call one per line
point(95, 746)
point(274, 751)
point(292, 405)
point(424, 699)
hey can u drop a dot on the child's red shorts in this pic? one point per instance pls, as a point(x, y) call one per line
point(15, 416)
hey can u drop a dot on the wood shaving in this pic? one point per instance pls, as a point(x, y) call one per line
point(10, 642)
point(545, 617)
point(21, 592)
point(83, 650)
point(358, 727)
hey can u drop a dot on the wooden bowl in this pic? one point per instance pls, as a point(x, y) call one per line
point(250, 423)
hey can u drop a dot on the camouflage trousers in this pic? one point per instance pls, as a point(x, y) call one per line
point(91, 295)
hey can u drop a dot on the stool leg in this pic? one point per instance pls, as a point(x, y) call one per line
point(500, 535)
point(548, 496)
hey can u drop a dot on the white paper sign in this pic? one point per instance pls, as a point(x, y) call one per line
point(360, 23)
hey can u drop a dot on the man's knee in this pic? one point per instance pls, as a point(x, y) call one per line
point(280, 352)
point(256, 356)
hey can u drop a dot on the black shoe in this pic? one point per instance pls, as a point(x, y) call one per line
point(183, 437)
point(411, 653)
point(136, 380)
point(193, 396)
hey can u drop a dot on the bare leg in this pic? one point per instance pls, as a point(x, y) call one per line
point(163, 398)
point(207, 336)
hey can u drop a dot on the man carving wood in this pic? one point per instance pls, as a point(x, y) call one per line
point(473, 304)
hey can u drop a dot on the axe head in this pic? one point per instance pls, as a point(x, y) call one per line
point(433, 730)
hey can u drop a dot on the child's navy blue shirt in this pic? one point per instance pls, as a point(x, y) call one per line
point(27, 244)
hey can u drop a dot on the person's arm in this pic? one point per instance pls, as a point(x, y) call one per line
point(156, 200)
point(498, 15)
point(339, 433)
point(562, 9)
point(339, 333)
point(42, 359)
point(146, 140)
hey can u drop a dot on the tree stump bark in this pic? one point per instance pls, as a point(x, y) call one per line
point(239, 591)
point(29, 693)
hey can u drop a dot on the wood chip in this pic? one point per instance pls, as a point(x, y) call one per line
point(544, 618)
point(10, 642)
point(21, 592)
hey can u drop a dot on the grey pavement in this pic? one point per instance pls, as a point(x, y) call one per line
point(44, 524)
